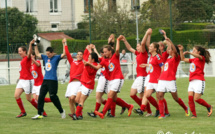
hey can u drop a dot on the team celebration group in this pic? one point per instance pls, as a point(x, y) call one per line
point(159, 79)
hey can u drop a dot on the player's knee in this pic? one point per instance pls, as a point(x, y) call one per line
point(16, 97)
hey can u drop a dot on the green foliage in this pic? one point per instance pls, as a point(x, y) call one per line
point(82, 25)
point(192, 26)
point(21, 27)
point(81, 34)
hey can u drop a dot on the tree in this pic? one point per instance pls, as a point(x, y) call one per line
point(195, 10)
point(106, 20)
point(21, 27)
point(156, 13)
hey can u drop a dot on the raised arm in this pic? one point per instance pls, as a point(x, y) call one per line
point(30, 49)
point(172, 46)
point(128, 46)
point(118, 44)
point(146, 39)
point(64, 43)
point(95, 50)
point(180, 47)
point(37, 53)
point(68, 55)
point(35, 62)
point(93, 66)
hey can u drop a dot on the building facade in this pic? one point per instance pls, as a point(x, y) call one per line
point(55, 15)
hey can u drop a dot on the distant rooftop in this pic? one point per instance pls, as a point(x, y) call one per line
point(54, 36)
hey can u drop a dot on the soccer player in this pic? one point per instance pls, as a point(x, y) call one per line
point(155, 65)
point(76, 69)
point(26, 80)
point(116, 79)
point(141, 58)
point(87, 81)
point(197, 80)
point(50, 82)
point(167, 80)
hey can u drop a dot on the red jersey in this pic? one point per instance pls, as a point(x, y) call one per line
point(114, 69)
point(170, 69)
point(76, 67)
point(197, 69)
point(155, 64)
point(37, 74)
point(88, 76)
point(86, 55)
point(165, 55)
point(104, 70)
point(24, 69)
point(141, 58)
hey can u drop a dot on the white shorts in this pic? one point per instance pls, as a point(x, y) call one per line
point(167, 86)
point(197, 86)
point(102, 85)
point(152, 86)
point(84, 90)
point(146, 81)
point(26, 85)
point(36, 90)
point(139, 84)
point(72, 88)
point(115, 85)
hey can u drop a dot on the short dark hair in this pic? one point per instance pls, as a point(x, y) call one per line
point(95, 57)
point(81, 51)
point(50, 49)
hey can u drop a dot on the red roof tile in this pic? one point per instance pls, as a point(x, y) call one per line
point(54, 36)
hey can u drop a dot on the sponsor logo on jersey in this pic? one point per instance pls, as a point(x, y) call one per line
point(48, 66)
point(192, 67)
point(151, 68)
point(111, 67)
point(103, 68)
point(34, 74)
point(166, 66)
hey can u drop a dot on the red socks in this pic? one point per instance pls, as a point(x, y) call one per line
point(136, 99)
point(153, 102)
point(161, 108)
point(97, 106)
point(192, 105)
point(113, 107)
point(107, 105)
point(148, 108)
point(122, 103)
point(181, 103)
point(78, 110)
point(142, 107)
point(104, 102)
point(34, 103)
point(20, 104)
point(203, 103)
point(47, 100)
point(166, 108)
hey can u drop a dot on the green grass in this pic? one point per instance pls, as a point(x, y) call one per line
point(177, 123)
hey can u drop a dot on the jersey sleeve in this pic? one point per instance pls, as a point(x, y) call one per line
point(38, 61)
point(86, 55)
point(68, 55)
point(191, 60)
point(43, 56)
point(136, 53)
point(159, 60)
point(165, 56)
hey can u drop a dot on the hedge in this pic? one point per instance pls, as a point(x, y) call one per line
point(193, 26)
point(179, 37)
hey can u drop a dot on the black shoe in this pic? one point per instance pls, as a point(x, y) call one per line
point(109, 113)
point(138, 111)
point(123, 110)
point(73, 116)
point(80, 117)
point(111, 116)
point(21, 115)
point(157, 113)
point(167, 115)
point(92, 114)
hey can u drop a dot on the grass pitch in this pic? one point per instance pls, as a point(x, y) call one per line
point(177, 123)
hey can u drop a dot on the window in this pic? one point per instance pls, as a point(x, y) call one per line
point(55, 6)
point(2, 3)
point(134, 4)
point(30, 6)
point(112, 5)
point(54, 26)
point(86, 8)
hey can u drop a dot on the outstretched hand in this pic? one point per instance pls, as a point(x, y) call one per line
point(186, 52)
point(180, 47)
point(64, 41)
point(149, 31)
point(121, 37)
